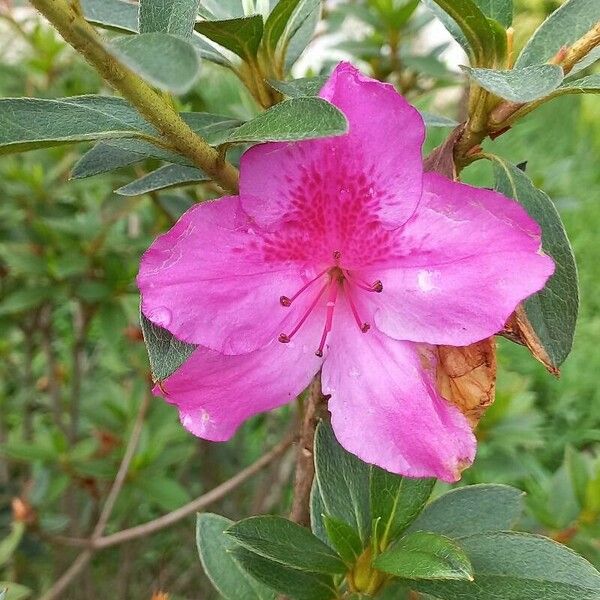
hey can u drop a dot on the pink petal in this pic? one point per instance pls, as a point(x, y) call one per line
point(216, 393)
point(332, 193)
point(209, 282)
point(462, 264)
point(385, 407)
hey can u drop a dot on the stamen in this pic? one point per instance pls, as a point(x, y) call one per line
point(286, 338)
point(331, 299)
point(377, 286)
point(337, 255)
point(286, 301)
point(362, 325)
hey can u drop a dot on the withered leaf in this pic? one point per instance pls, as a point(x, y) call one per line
point(441, 159)
point(519, 329)
point(466, 377)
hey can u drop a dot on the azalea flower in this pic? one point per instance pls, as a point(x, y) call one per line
point(341, 255)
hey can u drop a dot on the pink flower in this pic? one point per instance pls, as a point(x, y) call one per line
point(340, 254)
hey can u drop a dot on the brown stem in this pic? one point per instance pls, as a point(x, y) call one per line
point(581, 48)
point(83, 559)
point(192, 507)
point(305, 466)
point(151, 105)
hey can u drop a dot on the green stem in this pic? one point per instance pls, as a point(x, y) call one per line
point(150, 104)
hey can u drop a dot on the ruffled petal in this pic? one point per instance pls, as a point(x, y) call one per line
point(462, 264)
point(385, 408)
point(216, 393)
point(209, 281)
point(333, 193)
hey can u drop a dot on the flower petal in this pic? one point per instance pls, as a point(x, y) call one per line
point(216, 393)
point(208, 281)
point(462, 264)
point(385, 408)
point(334, 190)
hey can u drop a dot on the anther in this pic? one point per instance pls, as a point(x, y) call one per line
point(377, 286)
point(285, 301)
point(319, 353)
point(337, 255)
point(365, 327)
point(283, 338)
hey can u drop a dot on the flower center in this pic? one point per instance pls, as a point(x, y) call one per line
point(336, 278)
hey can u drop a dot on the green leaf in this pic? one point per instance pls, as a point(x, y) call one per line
point(14, 591)
point(297, 585)
point(24, 299)
point(277, 22)
point(111, 14)
point(215, 547)
point(166, 61)
point(166, 352)
point(29, 451)
point(298, 88)
point(287, 543)
point(344, 482)
point(215, 129)
point(343, 538)
point(519, 85)
point(145, 149)
point(103, 158)
point(563, 27)
point(10, 543)
point(469, 26)
point(170, 16)
point(499, 10)
point(169, 176)
point(424, 555)
point(432, 120)
point(164, 491)
point(300, 30)
point(579, 473)
point(519, 566)
point(317, 510)
point(553, 311)
point(292, 120)
point(397, 501)
point(241, 36)
point(472, 509)
point(585, 85)
point(29, 123)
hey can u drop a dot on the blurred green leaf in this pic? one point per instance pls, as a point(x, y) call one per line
point(297, 585)
point(166, 61)
point(287, 543)
point(472, 509)
point(300, 31)
point(519, 85)
point(424, 555)
point(397, 501)
point(241, 36)
point(168, 176)
point(553, 311)
point(170, 16)
point(24, 299)
point(579, 473)
point(215, 547)
point(564, 26)
point(343, 538)
point(10, 543)
point(519, 566)
point(164, 491)
point(432, 120)
point(28, 451)
point(343, 481)
point(14, 591)
point(291, 120)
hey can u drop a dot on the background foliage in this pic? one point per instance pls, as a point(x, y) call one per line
point(73, 368)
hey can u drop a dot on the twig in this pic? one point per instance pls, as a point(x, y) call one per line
point(151, 105)
point(83, 559)
point(305, 467)
point(188, 509)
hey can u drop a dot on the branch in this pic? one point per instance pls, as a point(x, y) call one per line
point(84, 558)
point(151, 105)
point(188, 509)
point(305, 466)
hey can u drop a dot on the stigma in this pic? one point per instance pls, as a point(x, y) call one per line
point(327, 286)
